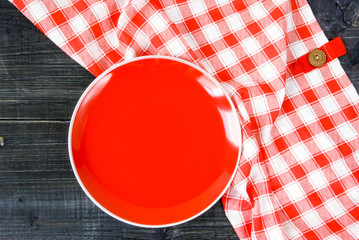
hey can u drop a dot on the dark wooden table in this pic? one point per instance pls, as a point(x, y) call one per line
point(39, 87)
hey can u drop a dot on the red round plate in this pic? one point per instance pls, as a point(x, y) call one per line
point(154, 141)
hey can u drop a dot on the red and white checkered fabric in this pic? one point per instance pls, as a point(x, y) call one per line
point(299, 172)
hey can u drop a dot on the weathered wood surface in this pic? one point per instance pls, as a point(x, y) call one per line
point(39, 87)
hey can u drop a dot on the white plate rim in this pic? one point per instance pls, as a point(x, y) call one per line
point(90, 87)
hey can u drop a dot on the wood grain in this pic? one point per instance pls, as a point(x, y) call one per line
point(39, 195)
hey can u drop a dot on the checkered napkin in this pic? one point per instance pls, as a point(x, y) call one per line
point(299, 171)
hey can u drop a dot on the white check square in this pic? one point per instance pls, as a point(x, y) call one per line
point(62, 3)
point(251, 45)
point(136, 4)
point(317, 179)
point(330, 104)
point(333, 237)
point(354, 230)
point(142, 39)
point(112, 39)
point(78, 60)
point(298, 49)
point(290, 24)
point(324, 141)
point(340, 168)
point(190, 41)
point(38, 10)
point(250, 148)
point(158, 23)
point(227, 57)
point(291, 87)
point(197, 7)
point(268, 71)
point(278, 2)
point(274, 233)
point(300, 152)
point(334, 207)
point(173, 14)
point(307, 14)
point(347, 132)
point(100, 10)
point(336, 68)
point(314, 78)
point(95, 50)
point(321, 38)
point(257, 11)
point(290, 230)
point(307, 115)
point(284, 125)
point(265, 205)
point(208, 66)
point(235, 217)
point(279, 164)
point(351, 93)
point(312, 219)
point(129, 53)
point(354, 194)
point(56, 36)
point(257, 174)
point(222, 2)
point(78, 24)
point(274, 32)
point(235, 22)
point(260, 105)
point(265, 135)
point(176, 47)
point(211, 32)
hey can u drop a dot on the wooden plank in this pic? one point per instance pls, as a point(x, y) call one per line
point(29, 133)
point(51, 109)
point(45, 93)
point(40, 197)
point(39, 73)
point(51, 207)
point(43, 208)
point(33, 147)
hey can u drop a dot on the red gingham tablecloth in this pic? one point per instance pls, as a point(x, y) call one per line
point(299, 171)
